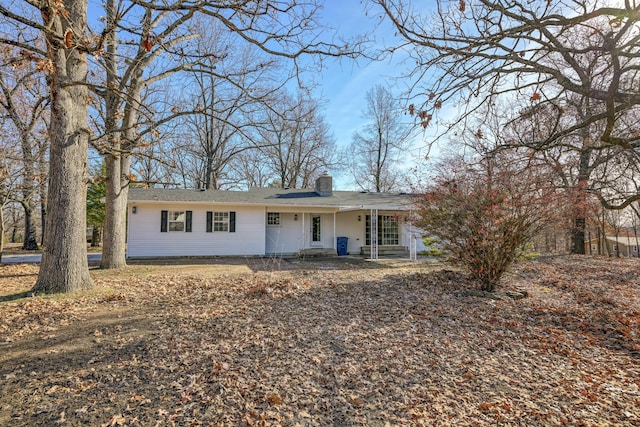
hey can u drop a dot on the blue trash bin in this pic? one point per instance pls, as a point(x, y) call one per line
point(342, 245)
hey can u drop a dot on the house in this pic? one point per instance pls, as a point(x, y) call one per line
point(625, 246)
point(268, 222)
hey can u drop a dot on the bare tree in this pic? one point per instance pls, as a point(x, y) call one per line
point(469, 55)
point(155, 163)
point(23, 99)
point(126, 118)
point(295, 142)
point(164, 34)
point(575, 159)
point(286, 28)
point(228, 95)
point(11, 174)
point(63, 25)
point(251, 171)
point(375, 152)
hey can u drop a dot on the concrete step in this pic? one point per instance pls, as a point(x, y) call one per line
point(386, 250)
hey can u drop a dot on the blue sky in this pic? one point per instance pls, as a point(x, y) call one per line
point(345, 87)
point(344, 84)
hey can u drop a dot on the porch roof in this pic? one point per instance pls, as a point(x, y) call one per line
point(340, 200)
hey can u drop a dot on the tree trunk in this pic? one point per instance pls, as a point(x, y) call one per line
point(42, 188)
point(2, 229)
point(96, 236)
point(117, 162)
point(64, 266)
point(577, 236)
point(115, 220)
point(30, 242)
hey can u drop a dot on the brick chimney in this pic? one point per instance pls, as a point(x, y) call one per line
point(324, 185)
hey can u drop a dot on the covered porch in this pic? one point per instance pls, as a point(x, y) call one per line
point(371, 233)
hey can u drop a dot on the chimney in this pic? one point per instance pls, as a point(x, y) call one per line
point(324, 185)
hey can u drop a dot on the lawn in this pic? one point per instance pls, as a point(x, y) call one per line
point(324, 343)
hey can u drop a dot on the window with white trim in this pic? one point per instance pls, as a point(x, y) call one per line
point(177, 220)
point(388, 230)
point(221, 221)
point(273, 218)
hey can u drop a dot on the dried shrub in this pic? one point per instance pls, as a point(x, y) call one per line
point(484, 214)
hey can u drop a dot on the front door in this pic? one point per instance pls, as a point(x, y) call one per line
point(316, 230)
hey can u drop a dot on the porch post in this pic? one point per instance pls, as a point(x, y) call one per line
point(304, 233)
point(335, 243)
point(413, 240)
point(373, 233)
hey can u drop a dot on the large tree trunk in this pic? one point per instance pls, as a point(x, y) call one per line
point(64, 266)
point(115, 220)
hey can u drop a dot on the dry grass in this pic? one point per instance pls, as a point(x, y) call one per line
point(323, 343)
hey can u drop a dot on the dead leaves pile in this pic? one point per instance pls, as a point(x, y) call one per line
point(357, 347)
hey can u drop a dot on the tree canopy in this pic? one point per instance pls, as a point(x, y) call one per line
point(542, 52)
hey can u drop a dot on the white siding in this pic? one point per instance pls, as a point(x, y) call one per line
point(347, 225)
point(412, 235)
point(252, 237)
point(287, 237)
point(146, 240)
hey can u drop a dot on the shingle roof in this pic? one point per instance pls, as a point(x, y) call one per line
point(277, 196)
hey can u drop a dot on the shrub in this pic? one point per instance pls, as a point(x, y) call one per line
point(484, 214)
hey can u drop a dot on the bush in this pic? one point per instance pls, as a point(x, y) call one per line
point(431, 248)
point(483, 215)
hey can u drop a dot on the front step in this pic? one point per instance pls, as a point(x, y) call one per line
point(386, 250)
point(317, 252)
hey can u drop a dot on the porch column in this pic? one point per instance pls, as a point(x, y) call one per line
point(373, 234)
point(413, 240)
point(304, 233)
point(335, 243)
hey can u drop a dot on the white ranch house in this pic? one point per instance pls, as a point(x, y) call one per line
point(269, 222)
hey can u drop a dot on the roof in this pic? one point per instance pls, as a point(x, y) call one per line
point(624, 240)
point(342, 200)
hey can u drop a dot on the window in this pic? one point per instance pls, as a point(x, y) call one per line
point(388, 230)
point(273, 218)
point(221, 221)
point(316, 229)
point(175, 221)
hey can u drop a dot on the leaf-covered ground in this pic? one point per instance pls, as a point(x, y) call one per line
point(322, 344)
